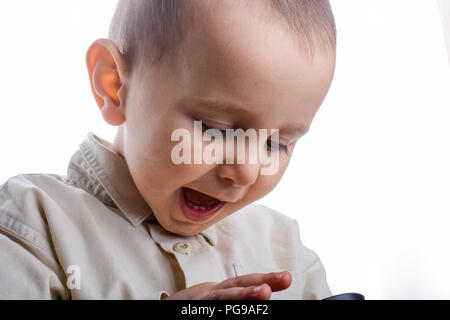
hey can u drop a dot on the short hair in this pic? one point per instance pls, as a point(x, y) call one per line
point(149, 29)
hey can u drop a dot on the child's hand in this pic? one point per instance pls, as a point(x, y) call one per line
point(256, 286)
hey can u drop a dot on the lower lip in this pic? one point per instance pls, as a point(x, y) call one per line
point(198, 215)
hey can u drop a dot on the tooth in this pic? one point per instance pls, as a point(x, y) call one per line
point(190, 203)
point(196, 207)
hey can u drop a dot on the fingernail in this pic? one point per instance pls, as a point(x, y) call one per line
point(255, 291)
point(279, 275)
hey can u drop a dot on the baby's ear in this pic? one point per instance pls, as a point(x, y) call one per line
point(107, 75)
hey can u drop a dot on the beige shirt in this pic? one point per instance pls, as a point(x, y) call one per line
point(90, 235)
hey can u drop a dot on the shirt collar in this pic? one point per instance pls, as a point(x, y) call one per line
point(164, 237)
point(210, 234)
point(104, 173)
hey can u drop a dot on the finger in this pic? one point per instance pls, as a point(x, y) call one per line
point(276, 280)
point(262, 292)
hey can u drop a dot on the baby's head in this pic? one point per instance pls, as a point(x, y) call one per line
point(170, 62)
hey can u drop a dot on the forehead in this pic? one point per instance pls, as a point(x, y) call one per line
point(236, 51)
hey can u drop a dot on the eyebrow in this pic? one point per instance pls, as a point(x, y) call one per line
point(225, 107)
point(297, 129)
point(222, 106)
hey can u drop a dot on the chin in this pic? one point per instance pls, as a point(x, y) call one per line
point(188, 234)
point(185, 229)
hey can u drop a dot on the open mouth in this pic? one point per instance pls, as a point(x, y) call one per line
point(198, 206)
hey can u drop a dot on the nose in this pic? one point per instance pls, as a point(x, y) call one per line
point(241, 173)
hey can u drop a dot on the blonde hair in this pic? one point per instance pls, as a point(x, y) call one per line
point(149, 29)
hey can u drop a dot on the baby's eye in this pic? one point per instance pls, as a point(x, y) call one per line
point(273, 146)
point(213, 131)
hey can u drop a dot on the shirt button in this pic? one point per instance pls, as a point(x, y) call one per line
point(182, 247)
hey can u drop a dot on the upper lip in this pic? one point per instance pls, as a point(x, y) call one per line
point(210, 195)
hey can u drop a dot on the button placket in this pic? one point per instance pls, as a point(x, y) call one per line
point(194, 256)
point(182, 247)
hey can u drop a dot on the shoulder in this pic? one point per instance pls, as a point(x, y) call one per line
point(27, 189)
point(30, 182)
point(27, 192)
point(24, 202)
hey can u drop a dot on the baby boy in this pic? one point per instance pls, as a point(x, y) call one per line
point(129, 221)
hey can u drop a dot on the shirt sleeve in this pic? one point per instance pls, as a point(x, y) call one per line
point(24, 276)
point(314, 276)
point(316, 285)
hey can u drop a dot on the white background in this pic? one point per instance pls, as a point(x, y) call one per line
point(369, 184)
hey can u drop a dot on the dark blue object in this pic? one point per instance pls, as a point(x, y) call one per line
point(346, 296)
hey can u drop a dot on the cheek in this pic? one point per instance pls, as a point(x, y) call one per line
point(186, 173)
point(146, 155)
point(154, 165)
point(265, 184)
point(283, 166)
